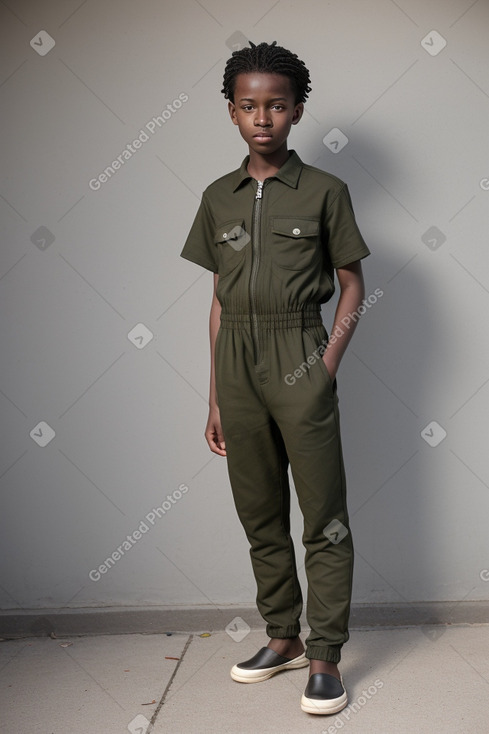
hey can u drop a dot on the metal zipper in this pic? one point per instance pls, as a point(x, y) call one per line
point(256, 227)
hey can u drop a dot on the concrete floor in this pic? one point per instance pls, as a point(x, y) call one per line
point(431, 679)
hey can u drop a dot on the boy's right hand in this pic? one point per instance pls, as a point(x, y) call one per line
point(213, 432)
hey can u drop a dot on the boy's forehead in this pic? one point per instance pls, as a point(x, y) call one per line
point(250, 84)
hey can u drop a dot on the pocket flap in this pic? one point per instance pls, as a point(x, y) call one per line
point(231, 232)
point(295, 227)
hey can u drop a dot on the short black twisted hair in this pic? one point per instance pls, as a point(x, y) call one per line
point(267, 58)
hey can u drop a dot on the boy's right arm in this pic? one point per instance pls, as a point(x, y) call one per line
point(213, 429)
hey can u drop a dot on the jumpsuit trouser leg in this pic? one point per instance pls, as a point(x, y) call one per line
point(285, 410)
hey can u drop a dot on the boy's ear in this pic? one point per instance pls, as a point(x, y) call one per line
point(298, 112)
point(232, 112)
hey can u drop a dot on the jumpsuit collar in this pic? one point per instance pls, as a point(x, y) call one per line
point(289, 173)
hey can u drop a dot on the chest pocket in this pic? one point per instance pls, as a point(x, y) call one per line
point(295, 242)
point(231, 239)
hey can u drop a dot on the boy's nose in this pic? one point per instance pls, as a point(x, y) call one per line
point(262, 121)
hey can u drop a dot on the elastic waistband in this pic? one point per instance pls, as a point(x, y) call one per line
point(310, 315)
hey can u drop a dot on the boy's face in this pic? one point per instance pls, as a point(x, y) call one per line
point(264, 109)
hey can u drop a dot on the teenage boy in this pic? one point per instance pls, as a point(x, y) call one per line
point(273, 232)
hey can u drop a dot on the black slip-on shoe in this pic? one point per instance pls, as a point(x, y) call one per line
point(264, 664)
point(324, 694)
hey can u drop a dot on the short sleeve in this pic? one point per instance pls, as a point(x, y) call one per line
point(199, 246)
point(344, 243)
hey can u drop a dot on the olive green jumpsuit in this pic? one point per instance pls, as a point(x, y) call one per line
point(275, 245)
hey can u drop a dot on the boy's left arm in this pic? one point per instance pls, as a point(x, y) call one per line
point(350, 279)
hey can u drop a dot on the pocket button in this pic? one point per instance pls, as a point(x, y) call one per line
point(296, 230)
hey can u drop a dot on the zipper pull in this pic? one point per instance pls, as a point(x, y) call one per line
point(259, 190)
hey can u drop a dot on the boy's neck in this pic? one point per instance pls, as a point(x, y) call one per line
point(263, 166)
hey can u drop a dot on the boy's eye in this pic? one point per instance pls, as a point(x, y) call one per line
point(249, 107)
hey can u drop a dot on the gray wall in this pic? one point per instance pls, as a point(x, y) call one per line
point(80, 298)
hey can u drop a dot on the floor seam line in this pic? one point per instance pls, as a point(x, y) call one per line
point(168, 686)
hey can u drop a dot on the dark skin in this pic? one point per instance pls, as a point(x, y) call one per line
point(264, 109)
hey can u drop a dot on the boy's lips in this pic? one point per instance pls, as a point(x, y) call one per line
point(262, 135)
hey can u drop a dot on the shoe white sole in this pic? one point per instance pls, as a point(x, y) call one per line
point(326, 706)
point(241, 675)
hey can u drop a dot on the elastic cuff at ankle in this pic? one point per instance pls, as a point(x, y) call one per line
point(292, 630)
point(328, 653)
